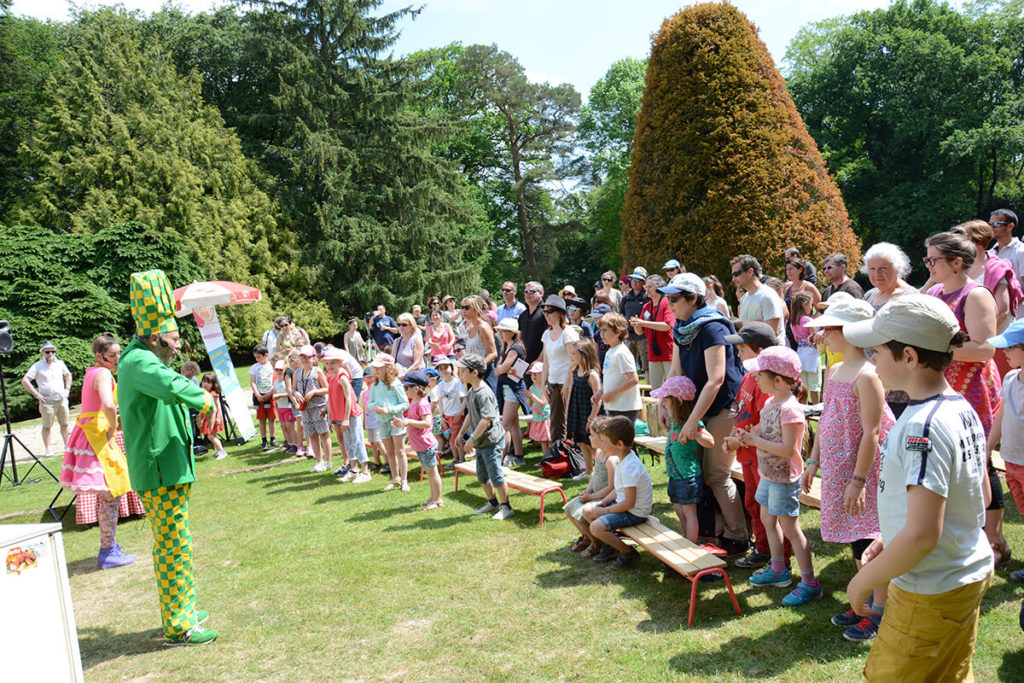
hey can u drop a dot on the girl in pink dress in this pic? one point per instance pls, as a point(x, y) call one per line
point(854, 421)
point(94, 465)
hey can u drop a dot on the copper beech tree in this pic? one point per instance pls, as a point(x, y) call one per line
point(722, 163)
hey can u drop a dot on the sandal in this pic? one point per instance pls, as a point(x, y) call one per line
point(591, 550)
point(405, 488)
point(433, 505)
point(581, 544)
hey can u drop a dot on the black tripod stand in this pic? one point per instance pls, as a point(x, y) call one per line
point(8, 448)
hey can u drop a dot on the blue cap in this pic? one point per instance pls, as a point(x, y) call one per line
point(432, 372)
point(1013, 335)
point(600, 310)
point(415, 378)
point(672, 263)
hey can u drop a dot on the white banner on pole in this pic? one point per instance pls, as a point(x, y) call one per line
point(220, 359)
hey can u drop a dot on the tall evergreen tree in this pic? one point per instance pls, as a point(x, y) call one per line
point(382, 217)
point(124, 137)
point(722, 163)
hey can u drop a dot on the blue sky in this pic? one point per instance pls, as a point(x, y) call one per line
point(571, 41)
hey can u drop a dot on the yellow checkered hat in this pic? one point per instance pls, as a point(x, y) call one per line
point(152, 303)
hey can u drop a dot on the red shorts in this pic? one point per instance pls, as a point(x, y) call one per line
point(454, 423)
point(286, 415)
point(266, 411)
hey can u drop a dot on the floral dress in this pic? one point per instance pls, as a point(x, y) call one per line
point(977, 381)
point(839, 433)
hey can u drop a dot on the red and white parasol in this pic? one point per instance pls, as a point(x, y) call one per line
point(213, 293)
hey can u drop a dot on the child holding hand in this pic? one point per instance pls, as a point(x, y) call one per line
point(601, 485)
point(778, 441)
point(685, 483)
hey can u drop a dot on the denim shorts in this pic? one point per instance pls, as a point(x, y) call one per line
point(620, 520)
point(782, 500)
point(385, 428)
point(428, 458)
point(507, 393)
point(488, 463)
point(685, 491)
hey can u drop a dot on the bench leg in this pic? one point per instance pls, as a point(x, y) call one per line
point(456, 481)
point(693, 590)
point(564, 501)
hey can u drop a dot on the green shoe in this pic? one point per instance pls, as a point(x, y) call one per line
point(194, 636)
point(201, 616)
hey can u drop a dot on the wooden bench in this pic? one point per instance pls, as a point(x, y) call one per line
point(520, 481)
point(682, 555)
point(656, 444)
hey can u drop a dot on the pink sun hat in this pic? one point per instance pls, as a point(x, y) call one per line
point(778, 359)
point(677, 386)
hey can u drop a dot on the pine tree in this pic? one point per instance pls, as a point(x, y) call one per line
point(124, 137)
point(722, 163)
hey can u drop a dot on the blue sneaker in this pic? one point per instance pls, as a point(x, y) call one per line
point(766, 577)
point(847, 618)
point(866, 629)
point(802, 594)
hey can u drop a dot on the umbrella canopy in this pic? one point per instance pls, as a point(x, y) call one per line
point(213, 293)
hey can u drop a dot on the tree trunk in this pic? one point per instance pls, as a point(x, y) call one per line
point(524, 223)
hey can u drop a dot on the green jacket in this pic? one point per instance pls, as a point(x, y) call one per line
point(154, 402)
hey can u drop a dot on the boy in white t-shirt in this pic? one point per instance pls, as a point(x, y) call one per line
point(631, 501)
point(453, 407)
point(620, 382)
point(261, 381)
point(932, 493)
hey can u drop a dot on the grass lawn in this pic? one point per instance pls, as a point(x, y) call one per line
point(308, 579)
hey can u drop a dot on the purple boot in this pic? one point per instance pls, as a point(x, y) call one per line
point(113, 557)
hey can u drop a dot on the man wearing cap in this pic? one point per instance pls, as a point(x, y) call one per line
point(383, 328)
point(511, 308)
point(931, 501)
point(630, 307)
point(838, 281)
point(154, 402)
point(655, 323)
point(53, 379)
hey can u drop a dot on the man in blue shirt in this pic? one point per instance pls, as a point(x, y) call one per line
point(383, 328)
point(511, 308)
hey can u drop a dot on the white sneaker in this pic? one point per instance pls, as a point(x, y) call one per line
point(320, 467)
point(220, 455)
point(361, 478)
point(503, 513)
point(581, 476)
point(487, 509)
point(348, 477)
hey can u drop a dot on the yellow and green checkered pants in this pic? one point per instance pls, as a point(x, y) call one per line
point(167, 511)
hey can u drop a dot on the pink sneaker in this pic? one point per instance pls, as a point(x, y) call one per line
point(301, 452)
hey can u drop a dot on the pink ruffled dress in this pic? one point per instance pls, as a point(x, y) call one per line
point(839, 433)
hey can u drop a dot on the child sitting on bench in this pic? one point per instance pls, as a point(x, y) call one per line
point(601, 484)
point(631, 501)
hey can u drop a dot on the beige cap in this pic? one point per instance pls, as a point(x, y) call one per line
point(843, 311)
point(915, 319)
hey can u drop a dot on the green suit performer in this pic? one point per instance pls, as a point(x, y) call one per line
point(154, 403)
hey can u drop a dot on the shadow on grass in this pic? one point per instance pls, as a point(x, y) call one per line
point(667, 601)
point(101, 644)
point(1012, 665)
